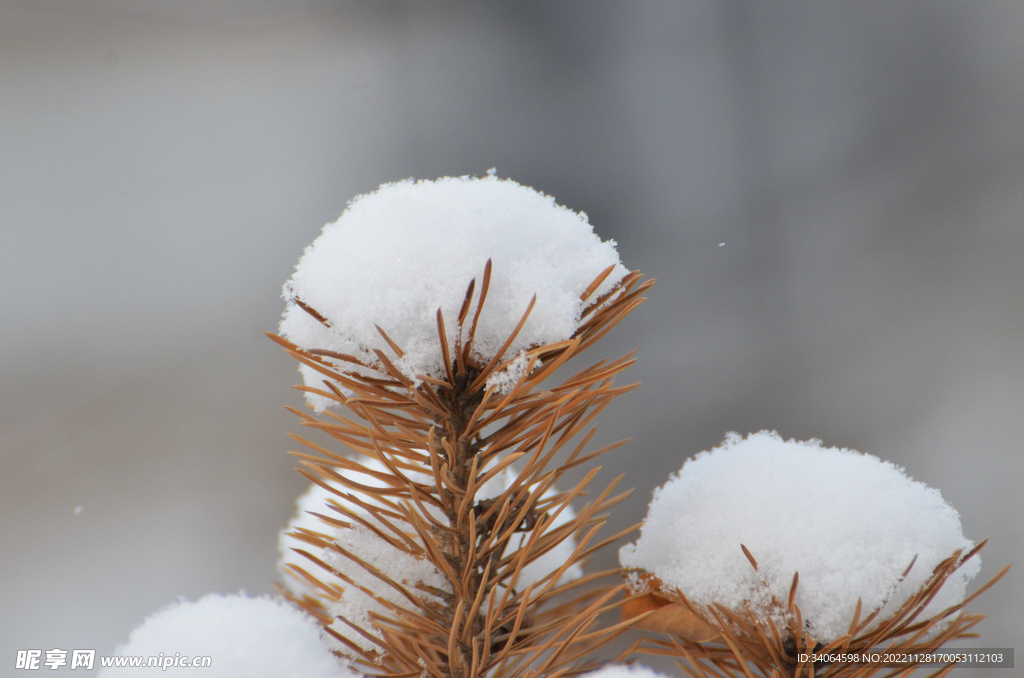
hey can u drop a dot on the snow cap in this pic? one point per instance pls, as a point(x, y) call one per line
point(398, 254)
point(251, 637)
point(849, 523)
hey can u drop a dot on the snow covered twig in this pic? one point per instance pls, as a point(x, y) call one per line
point(445, 564)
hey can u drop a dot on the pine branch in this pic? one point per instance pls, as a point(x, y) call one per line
point(742, 641)
point(431, 445)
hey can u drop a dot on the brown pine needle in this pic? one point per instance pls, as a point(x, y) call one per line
point(486, 372)
point(394, 347)
point(466, 302)
point(476, 316)
point(597, 282)
point(445, 356)
point(312, 311)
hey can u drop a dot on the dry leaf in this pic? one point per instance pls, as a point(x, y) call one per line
point(668, 617)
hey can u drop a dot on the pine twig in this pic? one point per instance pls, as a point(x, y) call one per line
point(435, 443)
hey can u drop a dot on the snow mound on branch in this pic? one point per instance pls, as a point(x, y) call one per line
point(401, 567)
point(252, 637)
point(849, 523)
point(398, 254)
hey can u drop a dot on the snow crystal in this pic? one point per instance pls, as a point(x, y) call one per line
point(400, 567)
point(398, 254)
point(849, 523)
point(252, 637)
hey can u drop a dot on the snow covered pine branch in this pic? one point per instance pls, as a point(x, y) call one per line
point(432, 312)
point(427, 322)
point(774, 550)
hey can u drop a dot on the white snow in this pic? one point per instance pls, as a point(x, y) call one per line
point(399, 566)
point(506, 379)
point(398, 254)
point(354, 605)
point(849, 523)
point(251, 637)
point(624, 671)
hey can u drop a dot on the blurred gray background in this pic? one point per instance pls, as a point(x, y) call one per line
point(163, 164)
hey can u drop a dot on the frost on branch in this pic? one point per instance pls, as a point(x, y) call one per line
point(251, 637)
point(399, 254)
point(848, 523)
point(352, 599)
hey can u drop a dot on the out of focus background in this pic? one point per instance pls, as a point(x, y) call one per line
point(831, 197)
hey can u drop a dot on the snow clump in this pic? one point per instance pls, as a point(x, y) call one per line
point(398, 254)
point(849, 523)
point(624, 671)
point(251, 637)
point(506, 379)
point(399, 566)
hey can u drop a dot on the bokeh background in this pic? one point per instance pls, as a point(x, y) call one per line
point(163, 164)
